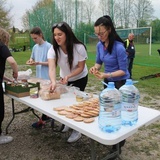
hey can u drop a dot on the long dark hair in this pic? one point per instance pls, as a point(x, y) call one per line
point(106, 21)
point(70, 41)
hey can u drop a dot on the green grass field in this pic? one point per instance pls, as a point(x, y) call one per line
point(142, 54)
point(144, 64)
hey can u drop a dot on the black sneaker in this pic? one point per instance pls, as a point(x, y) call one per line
point(38, 125)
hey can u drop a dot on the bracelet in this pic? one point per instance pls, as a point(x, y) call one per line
point(110, 75)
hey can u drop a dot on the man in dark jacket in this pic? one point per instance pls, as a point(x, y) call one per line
point(130, 50)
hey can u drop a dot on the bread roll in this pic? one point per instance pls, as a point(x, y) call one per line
point(47, 95)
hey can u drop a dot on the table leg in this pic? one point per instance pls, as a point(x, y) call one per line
point(93, 155)
point(22, 111)
point(13, 115)
point(59, 128)
point(114, 154)
point(34, 113)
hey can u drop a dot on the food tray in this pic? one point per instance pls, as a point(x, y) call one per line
point(20, 90)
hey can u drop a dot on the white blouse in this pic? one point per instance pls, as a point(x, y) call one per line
point(79, 54)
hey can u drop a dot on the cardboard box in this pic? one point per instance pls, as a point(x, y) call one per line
point(20, 90)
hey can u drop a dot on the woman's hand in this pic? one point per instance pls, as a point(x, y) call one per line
point(93, 70)
point(64, 80)
point(100, 75)
point(15, 75)
point(37, 63)
point(52, 86)
point(31, 62)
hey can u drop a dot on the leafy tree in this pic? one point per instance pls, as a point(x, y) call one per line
point(14, 30)
point(43, 14)
point(155, 30)
point(12, 38)
point(84, 28)
point(4, 15)
point(142, 23)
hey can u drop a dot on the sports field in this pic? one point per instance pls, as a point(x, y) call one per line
point(144, 64)
point(142, 54)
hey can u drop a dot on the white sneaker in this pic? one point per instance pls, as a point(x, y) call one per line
point(74, 136)
point(5, 139)
point(65, 129)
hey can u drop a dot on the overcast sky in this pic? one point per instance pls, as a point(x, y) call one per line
point(20, 6)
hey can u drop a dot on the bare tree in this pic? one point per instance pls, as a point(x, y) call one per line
point(89, 8)
point(143, 11)
point(126, 13)
point(25, 20)
point(67, 10)
point(104, 6)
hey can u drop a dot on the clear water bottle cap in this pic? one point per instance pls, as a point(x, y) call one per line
point(129, 82)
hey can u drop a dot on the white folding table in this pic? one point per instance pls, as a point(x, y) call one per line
point(91, 130)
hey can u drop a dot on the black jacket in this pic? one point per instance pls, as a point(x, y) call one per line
point(130, 48)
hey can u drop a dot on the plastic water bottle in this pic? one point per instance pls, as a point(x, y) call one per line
point(110, 109)
point(129, 105)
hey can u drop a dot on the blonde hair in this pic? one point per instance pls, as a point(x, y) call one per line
point(4, 36)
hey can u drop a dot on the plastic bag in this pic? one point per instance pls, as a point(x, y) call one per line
point(45, 94)
point(24, 74)
point(60, 88)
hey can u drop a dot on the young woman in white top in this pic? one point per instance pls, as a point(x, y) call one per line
point(70, 55)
